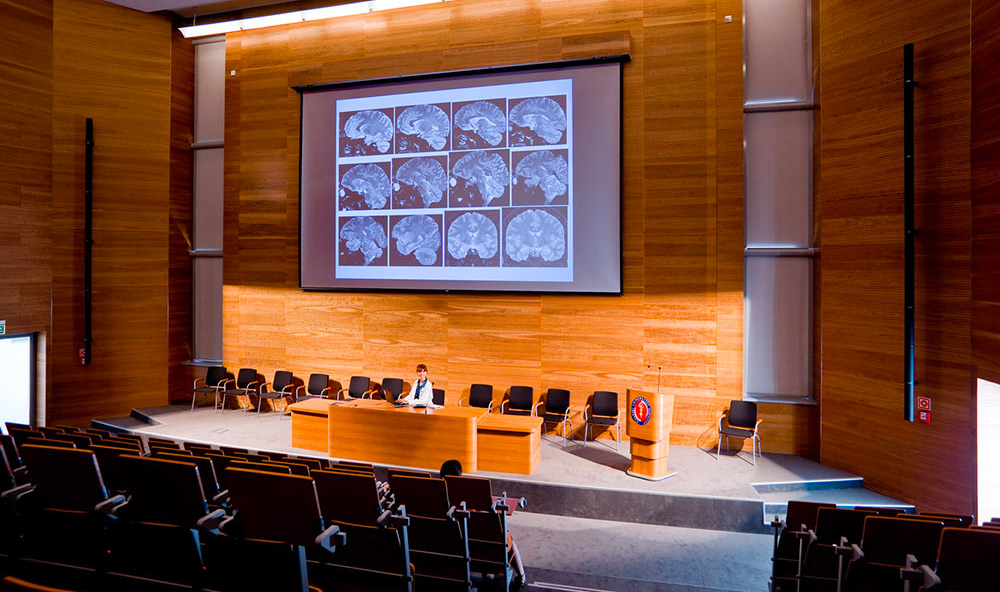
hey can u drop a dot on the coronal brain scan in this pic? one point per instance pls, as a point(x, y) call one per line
point(364, 236)
point(480, 124)
point(368, 132)
point(422, 178)
point(364, 186)
point(534, 121)
point(422, 128)
point(479, 178)
point(419, 235)
point(535, 234)
point(472, 239)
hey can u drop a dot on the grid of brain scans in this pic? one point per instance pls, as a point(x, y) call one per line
point(467, 183)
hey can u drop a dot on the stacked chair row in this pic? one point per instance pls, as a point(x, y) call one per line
point(204, 519)
point(820, 547)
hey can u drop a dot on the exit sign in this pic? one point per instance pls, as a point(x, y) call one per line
point(3, 327)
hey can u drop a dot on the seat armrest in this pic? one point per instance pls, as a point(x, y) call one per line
point(503, 405)
point(341, 392)
point(212, 521)
point(109, 505)
point(221, 498)
point(920, 573)
point(14, 494)
point(778, 524)
point(587, 411)
point(331, 538)
point(298, 389)
point(324, 392)
point(394, 520)
point(569, 409)
point(757, 425)
point(197, 380)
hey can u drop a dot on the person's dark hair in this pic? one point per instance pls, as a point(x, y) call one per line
point(451, 468)
point(421, 367)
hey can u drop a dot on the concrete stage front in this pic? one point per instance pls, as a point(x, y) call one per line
point(727, 494)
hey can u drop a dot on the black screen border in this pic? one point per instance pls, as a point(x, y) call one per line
point(303, 89)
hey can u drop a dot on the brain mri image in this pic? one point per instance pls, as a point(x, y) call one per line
point(480, 124)
point(473, 239)
point(416, 240)
point(366, 132)
point(538, 121)
point(541, 177)
point(535, 237)
point(422, 128)
point(479, 178)
point(363, 240)
point(364, 186)
point(420, 182)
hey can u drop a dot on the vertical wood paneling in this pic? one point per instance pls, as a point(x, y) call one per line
point(114, 65)
point(682, 209)
point(862, 237)
point(986, 189)
point(181, 201)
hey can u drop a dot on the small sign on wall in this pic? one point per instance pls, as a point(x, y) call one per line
point(3, 327)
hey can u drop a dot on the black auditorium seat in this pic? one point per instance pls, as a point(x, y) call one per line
point(822, 568)
point(281, 388)
point(246, 385)
point(602, 410)
point(885, 544)
point(214, 383)
point(438, 533)
point(557, 410)
point(480, 395)
point(791, 537)
point(358, 388)
point(520, 401)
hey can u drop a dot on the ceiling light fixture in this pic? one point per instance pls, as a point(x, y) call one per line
point(300, 16)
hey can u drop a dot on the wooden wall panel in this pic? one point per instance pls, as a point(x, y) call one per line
point(114, 65)
point(26, 170)
point(986, 189)
point(682, 209)
point(861, 310)
point(180, 236)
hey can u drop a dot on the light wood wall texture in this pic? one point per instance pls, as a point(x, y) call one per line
point(26, 170)
point(986, 189)
point(860, 125)
point(677, 327)
point(113, 65)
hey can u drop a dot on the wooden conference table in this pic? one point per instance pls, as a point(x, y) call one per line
point(377, 432)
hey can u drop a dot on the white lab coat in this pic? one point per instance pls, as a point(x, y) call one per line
point(424, 397)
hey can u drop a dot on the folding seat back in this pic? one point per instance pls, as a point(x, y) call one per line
point(226, 565)
point(268, 467)
point(821, 566)
point(10, 449)
point(314, 463)
point(375, 559)
point(890, 540)
point(967, 560)
point(348, 498)
point(206, 470)
point(422, 496)
point(222, 462)
point(476, 492)
point(956, 520)
point(22, 434)
point(107, 459)
point(162, 490)
point(65, 478)
point(258, 494)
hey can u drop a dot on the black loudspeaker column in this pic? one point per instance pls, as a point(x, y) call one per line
point(909, 354)
point(88, 239)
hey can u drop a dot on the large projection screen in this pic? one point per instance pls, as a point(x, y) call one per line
point(505, 179)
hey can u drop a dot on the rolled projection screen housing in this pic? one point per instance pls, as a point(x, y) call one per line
point(505, 179)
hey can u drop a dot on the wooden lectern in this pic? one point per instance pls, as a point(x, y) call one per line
point(650, 416)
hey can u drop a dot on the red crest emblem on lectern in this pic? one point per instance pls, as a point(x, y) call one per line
point(641, 410)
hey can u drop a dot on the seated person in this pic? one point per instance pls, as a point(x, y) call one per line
point(422, 391)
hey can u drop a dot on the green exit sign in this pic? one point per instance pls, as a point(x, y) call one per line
point(3, 327)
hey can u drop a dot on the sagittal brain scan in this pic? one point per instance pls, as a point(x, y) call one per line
point(458, 184)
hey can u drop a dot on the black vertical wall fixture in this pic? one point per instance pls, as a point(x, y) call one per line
point(909, 354)
point(88, 238)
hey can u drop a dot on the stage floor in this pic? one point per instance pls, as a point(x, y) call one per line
point(585, 481)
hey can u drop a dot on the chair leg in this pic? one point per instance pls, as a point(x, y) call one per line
point(618, 437)
point(586, 430)
point(718, 449)
point(194, 397)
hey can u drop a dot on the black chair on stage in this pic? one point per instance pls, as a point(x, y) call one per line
point(213, 383)
point(557, 410)
point(520, 401)
point(317, 388)
point(393, 386)
point(438, 396)
point(740, 421)
point(282, 387)
point(246, 385)
point(602, 410)
point(358, 388)
point(480, 395)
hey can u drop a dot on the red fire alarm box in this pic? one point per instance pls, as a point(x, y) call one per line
point(924, 416)
point(923, 403)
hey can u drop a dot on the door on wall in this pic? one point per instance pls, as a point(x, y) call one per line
point(17, 378)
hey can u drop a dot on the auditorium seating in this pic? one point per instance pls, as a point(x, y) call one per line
point(791, 540)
